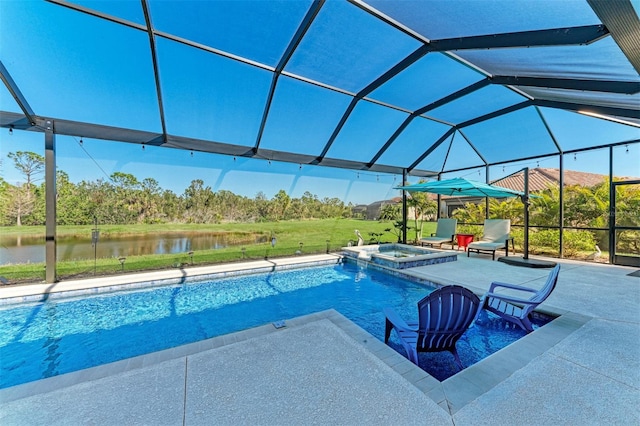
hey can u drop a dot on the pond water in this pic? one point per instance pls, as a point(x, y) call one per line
point(31, 249)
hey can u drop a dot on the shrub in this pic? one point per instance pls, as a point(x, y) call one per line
point(476, 230)
point(546, 241)
point(575, 241)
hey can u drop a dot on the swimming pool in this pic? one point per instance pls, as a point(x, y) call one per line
point(41, 340)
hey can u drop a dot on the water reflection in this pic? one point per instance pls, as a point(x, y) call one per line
point(29, 249)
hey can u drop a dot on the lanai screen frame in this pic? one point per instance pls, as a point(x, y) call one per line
point(618, 21)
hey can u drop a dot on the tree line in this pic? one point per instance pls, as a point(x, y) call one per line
point(124, 199)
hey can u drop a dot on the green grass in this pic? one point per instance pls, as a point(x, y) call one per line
point(315, 235)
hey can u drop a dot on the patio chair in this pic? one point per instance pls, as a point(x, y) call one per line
point(517, 309)
point(443, 317)
point(495, 237)
point(445, 233)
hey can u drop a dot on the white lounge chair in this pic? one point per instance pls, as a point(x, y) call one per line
point(445, 233)
point(496, 237)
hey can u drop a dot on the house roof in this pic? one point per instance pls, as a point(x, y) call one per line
point(542, 178)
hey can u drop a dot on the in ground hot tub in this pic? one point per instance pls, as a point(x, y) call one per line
point(400, 256)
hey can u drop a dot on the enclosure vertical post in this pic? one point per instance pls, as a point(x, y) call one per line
point(525, 200)
point(612, 210)
point(561, 208)
point(50, 201)
point(486, 199)
point(560, 182)
point(439, 198)
point(404, 208)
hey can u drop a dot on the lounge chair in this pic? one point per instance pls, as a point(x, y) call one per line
point(443, 317)
point(495, 237)
point(445, 233)
point(516, 309)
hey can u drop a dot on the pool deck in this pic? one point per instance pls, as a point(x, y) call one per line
point(583, 368)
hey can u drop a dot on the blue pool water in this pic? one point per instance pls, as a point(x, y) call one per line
point(58, 336)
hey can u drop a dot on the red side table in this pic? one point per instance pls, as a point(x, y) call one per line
point(464, 240)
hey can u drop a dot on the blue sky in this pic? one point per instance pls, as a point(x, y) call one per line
point(78, 67)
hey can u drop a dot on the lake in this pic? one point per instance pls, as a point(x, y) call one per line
point(31, 249)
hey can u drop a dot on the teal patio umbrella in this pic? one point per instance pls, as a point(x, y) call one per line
point(463, 188)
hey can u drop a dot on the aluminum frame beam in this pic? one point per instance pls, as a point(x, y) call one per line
point(621, 19)
point(473, 147)
point(101, 132)
point(452, 97)
point(485, 117)
point(156, 68)
point(580, 107)
point(304, 26)
point(495, 114)
point(552, 37)
point(547, 155)
point(17, 94)
point(395, 70)
point(549, 37)
point(432, 148)
point(608, 86)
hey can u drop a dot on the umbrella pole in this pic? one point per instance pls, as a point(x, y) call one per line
point(534, 263)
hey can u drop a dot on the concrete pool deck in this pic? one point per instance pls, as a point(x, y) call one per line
point(583, 368)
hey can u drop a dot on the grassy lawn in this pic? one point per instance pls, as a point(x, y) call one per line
point(316, 236)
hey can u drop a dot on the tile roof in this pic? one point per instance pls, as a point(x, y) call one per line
point(540, 178)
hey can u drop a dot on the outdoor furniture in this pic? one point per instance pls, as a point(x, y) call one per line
point(495, 237)
point(443, 317)
point(516, 309)
point(464, 240)
point(445, 231)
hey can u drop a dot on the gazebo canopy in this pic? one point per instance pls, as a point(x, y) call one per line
point(388, 86)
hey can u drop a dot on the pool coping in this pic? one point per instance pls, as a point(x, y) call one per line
point(30, 293)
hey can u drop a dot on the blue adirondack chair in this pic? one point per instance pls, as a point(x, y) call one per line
point(443, 317)
point(517, 309)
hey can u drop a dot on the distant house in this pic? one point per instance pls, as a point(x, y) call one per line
point(372, 211)
point(539, 179)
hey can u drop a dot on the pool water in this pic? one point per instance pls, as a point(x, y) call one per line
point(41, 340)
